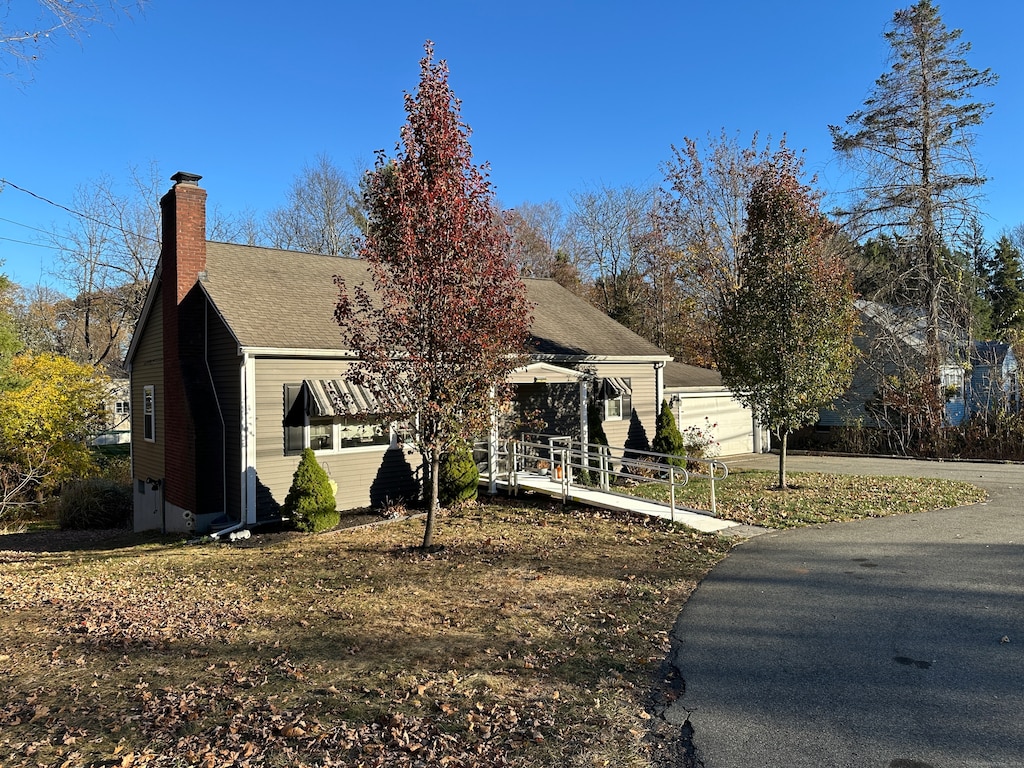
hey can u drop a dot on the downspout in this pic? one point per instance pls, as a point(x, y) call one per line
point(249, 436)
point(659, 386)
point(243, 512)
point(584, 425)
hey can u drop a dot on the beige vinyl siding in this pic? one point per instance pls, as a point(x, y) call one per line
point(628, 432)
point(363, 475)
point(719, 414)
point(148, 370)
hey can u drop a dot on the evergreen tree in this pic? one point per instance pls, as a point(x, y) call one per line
point(1006, 289)
point(913, 143)
point(460, 479)
point(667, 437)
point(310, 501)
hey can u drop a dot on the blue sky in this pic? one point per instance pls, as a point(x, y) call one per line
point(560, 95)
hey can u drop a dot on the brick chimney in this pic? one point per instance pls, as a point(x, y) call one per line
point(184, 232)
point(183, 259)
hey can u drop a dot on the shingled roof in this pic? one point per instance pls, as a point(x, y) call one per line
point(683, 376)
point(275, 299)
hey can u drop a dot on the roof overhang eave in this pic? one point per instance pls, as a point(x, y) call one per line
point(319, 354)
point(550, 358)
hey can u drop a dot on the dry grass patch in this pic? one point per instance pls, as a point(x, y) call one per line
point(530, 639)
point(751, 497)
point(533, 637)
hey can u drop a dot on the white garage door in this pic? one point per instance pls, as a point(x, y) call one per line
point(731, 424)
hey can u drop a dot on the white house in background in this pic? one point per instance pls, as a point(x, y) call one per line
point(993, 383)
point(699, 399)
point(892, 339)
point(118, 425)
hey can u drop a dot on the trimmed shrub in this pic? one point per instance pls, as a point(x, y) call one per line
point(93, 503)
point(667, 437)
point(595, 430)
point(310, 501)
point(457, 477)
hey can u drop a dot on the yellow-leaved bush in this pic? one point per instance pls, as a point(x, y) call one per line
point(49, 407)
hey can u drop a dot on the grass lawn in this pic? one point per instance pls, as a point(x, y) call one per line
point(750, 496)
point(535, 637)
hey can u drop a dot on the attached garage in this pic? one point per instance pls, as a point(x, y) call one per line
point(698, 399)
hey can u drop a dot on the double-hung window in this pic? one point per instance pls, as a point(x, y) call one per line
point(149, 413)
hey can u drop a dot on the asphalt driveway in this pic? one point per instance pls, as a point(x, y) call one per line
point(894, 642)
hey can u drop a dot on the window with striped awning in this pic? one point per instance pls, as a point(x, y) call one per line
point(334, 414)
point(617, 394)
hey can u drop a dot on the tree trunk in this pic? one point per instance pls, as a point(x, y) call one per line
point(783, 440)
point(435, 467)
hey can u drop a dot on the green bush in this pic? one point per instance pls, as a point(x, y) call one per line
point(595, 430)
point(667, 437)
point(93, 503)
point(310, 501)
point(457, 477)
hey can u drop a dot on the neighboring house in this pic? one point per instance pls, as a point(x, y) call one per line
point(993, 384)
point(236, 366)
point(699, 400)
point(892, 339)
point(117, 404)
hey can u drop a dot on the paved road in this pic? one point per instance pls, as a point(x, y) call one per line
point(873, 643)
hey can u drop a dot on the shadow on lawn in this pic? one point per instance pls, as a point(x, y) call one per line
point(80, 541)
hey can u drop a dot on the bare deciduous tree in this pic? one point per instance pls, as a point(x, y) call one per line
point(25, 27)
point(323, 213)
point(611, 238)
point(539, 231)
point(701, 213)
point(106, 259)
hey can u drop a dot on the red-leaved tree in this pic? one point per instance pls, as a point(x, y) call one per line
point(447, 317)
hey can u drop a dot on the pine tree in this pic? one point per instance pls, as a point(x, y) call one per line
point(310, 501)
point(460, 479)
point(913, 143)
point(1006, 289)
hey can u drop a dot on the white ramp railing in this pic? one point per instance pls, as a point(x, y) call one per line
point(570, 463)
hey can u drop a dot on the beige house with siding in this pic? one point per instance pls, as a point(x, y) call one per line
point(236, 365)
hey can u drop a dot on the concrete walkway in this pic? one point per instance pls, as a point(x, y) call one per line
point(701, 521)
point(891, 643)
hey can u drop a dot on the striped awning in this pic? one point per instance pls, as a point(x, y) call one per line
point(615, 387)
point(340, 397)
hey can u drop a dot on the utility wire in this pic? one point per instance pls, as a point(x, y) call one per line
point(26, 242)
point(4, 182)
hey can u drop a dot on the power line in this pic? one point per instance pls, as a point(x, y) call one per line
point(26, 242)
point(26, 226)
point(4, 182)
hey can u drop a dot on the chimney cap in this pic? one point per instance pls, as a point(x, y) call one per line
point(181, 177)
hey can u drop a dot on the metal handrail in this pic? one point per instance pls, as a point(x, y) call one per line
point(567, 457)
